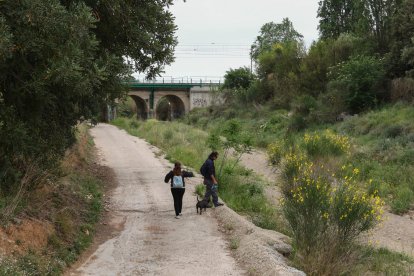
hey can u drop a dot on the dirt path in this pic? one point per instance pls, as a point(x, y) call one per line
point(395, 233)
point(152, 241)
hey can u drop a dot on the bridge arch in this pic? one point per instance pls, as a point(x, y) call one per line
point(182, 96)
point(169, 107)
point(141, 107)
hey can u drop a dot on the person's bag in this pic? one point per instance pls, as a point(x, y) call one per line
point(203, 170)
point(177, 181)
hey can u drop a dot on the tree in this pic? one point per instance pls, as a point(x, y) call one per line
point(279, 71)
point(338, 16)
point(237, 78)
point(408, 56)
point(140, 30)
point(63, 60)
point(272, 33)
point(401, 34)
point(369, 19)
point(315, 65)
point(232, 140)
point(380, 14)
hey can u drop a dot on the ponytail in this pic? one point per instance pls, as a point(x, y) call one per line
point(177, 168)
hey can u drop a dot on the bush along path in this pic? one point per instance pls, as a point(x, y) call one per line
point(394, 232)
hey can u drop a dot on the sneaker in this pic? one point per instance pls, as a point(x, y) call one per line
point(177, 217)
point(218, 204)
point(180, 214)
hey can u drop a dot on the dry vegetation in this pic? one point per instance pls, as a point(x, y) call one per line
point(53, 217)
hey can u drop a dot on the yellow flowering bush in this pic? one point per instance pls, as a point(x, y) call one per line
point(354, 211)
point(306, 202)
point(325, 213)
point(326, 143)
point(292, 163)
point(275, 153)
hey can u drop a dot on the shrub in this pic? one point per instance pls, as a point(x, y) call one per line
point(292, 164)
point(237, 78)
point(296, 123)
point(402, 89)
point(326, 215)
point(306, 207)
point(330, 104)
point(127, 108)
point(234, 243)
point(274, 153)
point(303, 105)
point(359, 77)
point(134, 124)
point(326, 143)
point(402, 201)
point(168, 134)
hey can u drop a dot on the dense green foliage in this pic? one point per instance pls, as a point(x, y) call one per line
point(272, 33)
point(370, 19)
point(363, 58)
point(359, 80)
point(237, 78)
point(61, 61)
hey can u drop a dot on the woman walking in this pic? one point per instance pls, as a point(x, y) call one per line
point(176, 177)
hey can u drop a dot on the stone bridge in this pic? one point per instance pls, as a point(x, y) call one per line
point(166, 101)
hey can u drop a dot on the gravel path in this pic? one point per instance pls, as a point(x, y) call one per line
point(153, 241)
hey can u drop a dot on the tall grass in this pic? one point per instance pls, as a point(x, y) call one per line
point(384, 143)
point(380, 143)
point(239, 188)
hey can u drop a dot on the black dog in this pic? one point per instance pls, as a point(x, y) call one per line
point(203, 204)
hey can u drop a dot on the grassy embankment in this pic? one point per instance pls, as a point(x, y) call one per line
point(241, 190)
point(376, 148)
point(382, 143)
point(60, 210)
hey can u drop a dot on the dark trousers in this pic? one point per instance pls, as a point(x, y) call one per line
point(178, 194)
point(210, 191)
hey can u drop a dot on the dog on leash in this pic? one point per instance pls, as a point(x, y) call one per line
point(202, 204)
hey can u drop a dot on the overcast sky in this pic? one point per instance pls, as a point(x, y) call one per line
point(215, 35)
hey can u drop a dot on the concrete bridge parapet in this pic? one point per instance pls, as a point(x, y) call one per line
point(202, 96)
point(175, 100)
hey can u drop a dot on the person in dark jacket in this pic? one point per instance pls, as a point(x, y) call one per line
point(176, 177)
point(210, 180)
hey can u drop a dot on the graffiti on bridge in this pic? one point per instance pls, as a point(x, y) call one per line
point(199, 102)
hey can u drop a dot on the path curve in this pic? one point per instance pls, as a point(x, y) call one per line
point(153, 242)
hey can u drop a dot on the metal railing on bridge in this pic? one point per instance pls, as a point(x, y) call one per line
point(193, 80)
